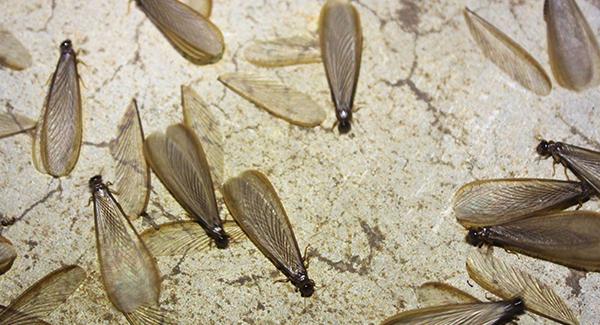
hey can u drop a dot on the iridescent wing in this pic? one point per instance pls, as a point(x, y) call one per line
point(276, 98)
point(191, 33)
point(43, 297)
point(497, 201)
point(507, 55)
point(506, 281)
point(132, 175)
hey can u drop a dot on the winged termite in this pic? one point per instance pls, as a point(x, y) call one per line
point(507, 55)
point(479, 313)
point(440, 294)
point(58, 133)
point(132, 176)
point(506, 281)
point(255, 206)
point(497, 201)
point(203, 7)
point(197, 117)
point(570, 238)
point(129, 273)
point(276, 98)
point(12, 53)
point(43, 297)
point(285, 51)
point(179, 162)
point(8, 254)
point(14, 123)
point(582, 162)
point(340, 36)
point(192, 34)
point(572, 46)
point(182, 237)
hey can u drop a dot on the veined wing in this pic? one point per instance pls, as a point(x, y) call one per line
point(584, 163)
point(8, 254)
point(506, 281)
point(203, 7)
point(191, 33)
point(480, 313)
point(179, 161)
point(43, 297)
point(197, 117)
point(497, 201)
point(507, 55)
point(14, 123)
point(440, 294)
point(276, 98)
point(284, 51)
point(132, 175)
point(255, 206)
point(12, 52)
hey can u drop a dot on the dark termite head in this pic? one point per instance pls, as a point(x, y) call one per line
point(96, 183)
point(543, 149)
point(477, 237)
point(220, 237)
point(66, 46)
point(344, 117)
point(305, 285)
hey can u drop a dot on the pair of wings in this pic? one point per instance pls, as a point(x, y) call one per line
point(129, 272)
point(58, 134)
point(43, 297)
point(572, 48)
point(454, 306)
point(191, 33)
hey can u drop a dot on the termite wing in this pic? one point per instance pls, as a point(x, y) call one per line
point(255, 206)
point(43, 297)
point(58, 134)
point(497, 201)
point(14, 123)
point(129, 272)
point(284, 51)
point(8, 254)
point(203, 7)
point(12, 52)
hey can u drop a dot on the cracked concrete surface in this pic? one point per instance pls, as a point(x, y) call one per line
point(374, 205)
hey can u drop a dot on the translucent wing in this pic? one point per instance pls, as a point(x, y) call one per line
point(276, 98)
point(8, 254)
point(12, 53)
point(193, 35)
point(182, 237)
point(284, 51)
point(255, 206)
point(43, 297)
point(197, 117)
point(340, 36)
point(497, 201)
point(179, 161)
point(440, 294)
point(506, 281)
point(507, 55)
point(132, 176)
point(583, 162)
point(572, 46)
point(570, 238)
point(129, 273)
point(14, 123)
point(203, 7)
point(59, 130)
point(480, 313)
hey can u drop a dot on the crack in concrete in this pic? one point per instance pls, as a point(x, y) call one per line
point(48, 195)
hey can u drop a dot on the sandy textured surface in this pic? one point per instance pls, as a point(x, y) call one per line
point(374, 205)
